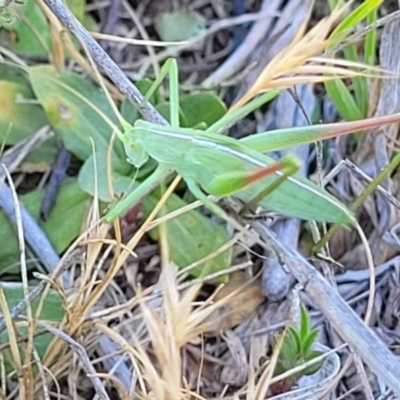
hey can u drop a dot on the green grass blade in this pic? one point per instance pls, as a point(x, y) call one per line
point(359, 83)
point(343, 100)
point(233, 116)
point(370, 39)
point(356, 16)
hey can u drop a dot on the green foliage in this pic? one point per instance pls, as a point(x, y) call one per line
point(19, 116)
point(82, 116)
point(352, 100)
point(198, 108)
point(77, 110)
point(30, 29)
point(297, 348)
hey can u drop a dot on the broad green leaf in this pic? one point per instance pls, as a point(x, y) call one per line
point(30, 30)
point(62, 227)
point(78, 112)
point(195, 109)
point(179, 25)
point(52, 311)
point(312, 369)
point(191, 237)
point(88, 178)
point(202, 107)
point(164, 109)
point(21, 115)
point(288, 354)
point(6, 17)
point(13, 74)
point(18, 120)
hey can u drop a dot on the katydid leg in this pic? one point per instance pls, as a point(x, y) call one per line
point(218, 211)
point(138, 193)
point(169, 68)
point(290, 167)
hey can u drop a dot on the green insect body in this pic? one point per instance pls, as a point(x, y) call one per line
point(211, 163)
point(204, 157)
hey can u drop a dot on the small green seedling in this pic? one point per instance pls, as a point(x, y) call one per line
point(297, 349)
point(222, 166)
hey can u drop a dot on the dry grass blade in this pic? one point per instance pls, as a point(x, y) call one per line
point(265, 379)
point(139, 42)
point(26, 388)
point(298, 62)
point(83, 357)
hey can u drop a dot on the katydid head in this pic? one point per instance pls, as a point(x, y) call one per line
point(135, 151)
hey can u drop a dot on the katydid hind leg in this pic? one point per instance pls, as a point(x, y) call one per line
point(218, 211)
point(290, 170)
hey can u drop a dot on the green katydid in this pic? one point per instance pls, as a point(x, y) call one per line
point(223, 166)
point(204, 158)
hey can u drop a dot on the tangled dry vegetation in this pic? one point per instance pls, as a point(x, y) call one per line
point(136, 326)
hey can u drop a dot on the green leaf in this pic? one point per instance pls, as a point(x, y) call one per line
point(308, 341)
point(18, 120)
point(179, 25)
point(191, 237)
point(52, 311)
point(304, 322)
point(88, 178)
point(6, 17)
point(295, 338)
point(164, 109)
point(31, 28)
point(348, 107)
point(370, 39)
point(62, 227)
point(312, 369)
point(79, 112)
point(288, 354)
point(202, 107)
